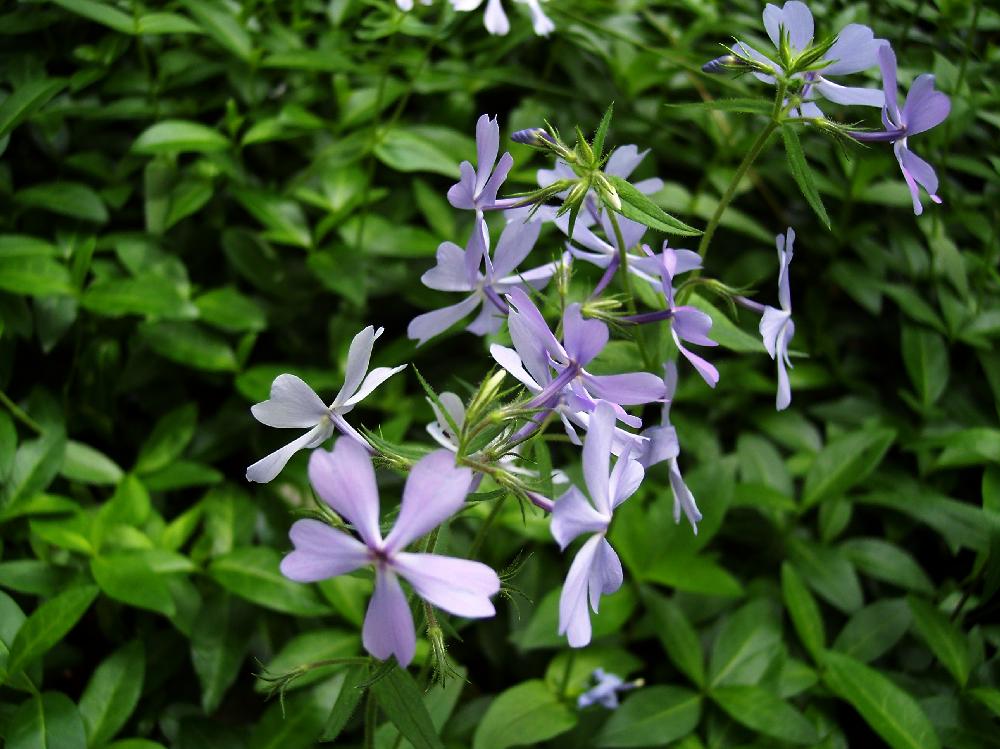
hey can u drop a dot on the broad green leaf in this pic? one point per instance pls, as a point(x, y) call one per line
point(652, 716)
point(638, 207)
point(129, 505)
point(88, 465)
point(129, 578)
point(228, 309)
point(11, 619)
point(220, 24)
point(884, 561)
point(113, 693)
point(166, 23)
point(24, 245)
point(402, 702)
point(845, 462)
point(761, 463)
point(523, 715)
point(874, 630)
point(961, 524)
point(988, 697)
point(169, 437)
point(151, 295)
point(48, 624)
point(926, 358)
point(747, 643)
point(298, 721)
point(679, 638)
point(743, 106)
point(34, 276)
point(308, 648)
point(25, 100)
point(347, 701)
point(252, 573)
point(828, 572)
point(73, 199)
point(759, 708)
point(179, 136)
point(283, 219)
point(424, 148)
point(803, 611)
point(36, 463)
point(943, 637)
point(100, 12)
point(892, 713)
point(46, 721)
point(219, 641)
point(189, 345)
point(802, 173)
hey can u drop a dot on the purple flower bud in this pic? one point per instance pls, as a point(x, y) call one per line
point(722, 64)
point(533, 136)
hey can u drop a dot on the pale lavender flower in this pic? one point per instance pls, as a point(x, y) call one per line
point(435, 490)
point(663, 446)
point(686, 323)
point(596, 569)
point(776, 326)
point(923, 109)
point(477, 187)
point(458, 270)
point(555, 371)
point(854, 50)
point(495, 19)
point(295, 405)
point(605, 692)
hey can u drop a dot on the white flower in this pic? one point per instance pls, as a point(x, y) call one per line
point(776, 325)
point(294, 405)
point(495, 19)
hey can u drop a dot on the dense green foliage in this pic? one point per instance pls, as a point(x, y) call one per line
point(196, 196)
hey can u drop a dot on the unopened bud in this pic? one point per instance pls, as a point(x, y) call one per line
point(723, 64)
point(534, 136)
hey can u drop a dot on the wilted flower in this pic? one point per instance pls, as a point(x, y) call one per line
point(605, 692)
point(295, 405)
point(596, 569)
point(458, 270)
point(853, 51)
point(776, 326)
point(495, 19)
point(664, 446)
point(923, 109)
point(434, 491)
point(477, 188)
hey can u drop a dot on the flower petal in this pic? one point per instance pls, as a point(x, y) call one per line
point(487, 147)
point(434, 491)
point(662, 445)
point(573, 515)
point(531, 336)
point(887, 65)
point(449, 273)
point(375, 378)
point(683, 498)
point(495, 19)
point(629, 389)
point(856, 49)
point(321, 552)
point(574, 619)
point(516, 241)
point(924, 108)
point(625, 479)
point(488, 196)
point(797, 20)
point(462, 194)
point(345, 479)
point(583, 339)
point(605, 573)
point(921, 171)
point(269, 466)
point(424, 327)
point(459, 586)
point(786, 247)
point(292, 404)
point(388, 628)
point(597, 456)
point(358, 357)
point(849, 95)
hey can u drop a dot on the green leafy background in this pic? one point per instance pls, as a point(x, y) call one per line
point(198, 195)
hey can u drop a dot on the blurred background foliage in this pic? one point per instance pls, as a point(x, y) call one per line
point(198, 195)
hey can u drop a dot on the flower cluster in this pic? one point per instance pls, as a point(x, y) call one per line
point(556, 342)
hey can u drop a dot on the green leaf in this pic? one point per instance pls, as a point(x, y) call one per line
point(252, 573)
point(48, 624)
point(11, 619)
point(189, 345)
point(802, 173)
point(166, 23)
point(400, 699)
point(169, 437)
point(874, 630)
point(101, 13)
point(526, 714)
point(748, 642)
point(311, 647)
point(36, 463)
point(283, 218)
point(128, 577)
point(151, 295)
point(828, 572)
point(724, 331)
point(73, 199)
point(602, 131)
point(113, 692)
point(179, 136)
point(679, 638)
point(743, 106)
point(219, 641)
point(926, 357)
point(219, 23)
point(990, 698)
point(803, 611)
point(348, 699)
point(34, 276)
point(228, 309)
point(652, 716)
point(87, 465)
point(638, 207)
point(46, 721)
point(884, 561)
point(424, 148)
point(892, 713)
point(25, 100)
point(943, 637)
point(759, 708)
point(298, 722)
point(845, 462)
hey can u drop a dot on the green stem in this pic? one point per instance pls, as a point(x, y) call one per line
point(19, 414)
point(371, 716)
point(477, 542)
point(564, 683)
point(741, 170)
point(627, 283)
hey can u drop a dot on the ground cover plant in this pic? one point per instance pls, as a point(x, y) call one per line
point(490, 374)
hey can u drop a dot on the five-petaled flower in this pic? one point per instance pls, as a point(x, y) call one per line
point(295, 405)
point(776, 325)
point(596, 569)
point(435, 490)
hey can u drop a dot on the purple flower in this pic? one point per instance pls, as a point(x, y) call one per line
point(294, 405)
point(596, 569)
point(555, 371)
point(477, 188)
point(686, 323)
point(776, 326)
point(923, 109)
point(664, 446)
point(434, 491)
point(853, 51)
point(605, 692)
point(458, 270)
point(495, 19)
point(622, 162)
